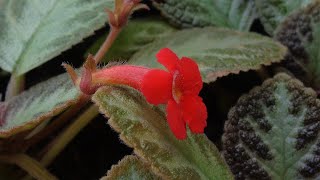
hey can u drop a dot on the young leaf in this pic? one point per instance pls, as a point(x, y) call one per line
point(144, 128)
point(272, 13)
point(40, 102)
point(234, 14)
point(34, 31)
point(130, 167)
point(137, 34)
point(218, 52)
point(273, 132)
point(301, 33)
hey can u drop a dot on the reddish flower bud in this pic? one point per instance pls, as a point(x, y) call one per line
point(122, 10)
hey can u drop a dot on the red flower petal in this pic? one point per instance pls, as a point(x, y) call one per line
point(194, 113)
point(175, 121)
point(157, 86)
point(168, 59)
point(189, 79)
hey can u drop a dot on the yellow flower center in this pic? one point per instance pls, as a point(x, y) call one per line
point(176, 92)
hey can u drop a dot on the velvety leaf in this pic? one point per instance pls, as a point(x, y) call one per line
point(130, 167)
point(137, 34)
point(144, 128)
point(273, 12)
point(40, 102)
point(273, 132)
point(34, 31)
point(234, 14)
point(218, 52)
point(301, 33)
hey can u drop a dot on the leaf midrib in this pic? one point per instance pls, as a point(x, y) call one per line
point(32, 36)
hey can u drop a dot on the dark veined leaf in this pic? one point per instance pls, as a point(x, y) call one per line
point(130, 167)
point(137, 34)
point(144, 128)
point(234, 14)
point(40, 102)
point(218, 52)
point(273, 12)
point(301, 33)
point(34, 31)
point(273, 132)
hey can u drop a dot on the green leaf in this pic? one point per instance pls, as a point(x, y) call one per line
point(234, 14)
point(137, 34)
point(273, 12)
point(35, 105)
point(34, 31)
point(130, 167)
point(301, 33)
point(144, 128)
point(273, 132)
point(218, 52)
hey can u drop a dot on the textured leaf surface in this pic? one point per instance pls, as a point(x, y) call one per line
point(273, 12)
point(130, 167)
point(144, 128)
point(300, 32)
point(137, 34)
point(40, 102)
point(273, 132)
point(234, 14)
point(218, 52)
point(34, 31)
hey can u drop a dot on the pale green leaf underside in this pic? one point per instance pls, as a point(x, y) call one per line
point(130, 168)
point(234, 14)
point(40, 102)
point(218, 52)
point(144, 128)
point(273, 12)
point(273, 132)
point(34, 31)
point(137, 34)
point(301, 33)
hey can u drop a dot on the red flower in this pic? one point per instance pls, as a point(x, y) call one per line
point(179, 88)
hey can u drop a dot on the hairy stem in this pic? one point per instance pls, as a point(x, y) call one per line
point(113, 34)
point(67, 135)
point(33, 167)
point(15, 86)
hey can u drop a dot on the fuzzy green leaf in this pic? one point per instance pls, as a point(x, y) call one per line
point(144, 128)
point(301, 33)
point(130, 167)
point(273, 12)
point(218, 52)
point(137, 34)
point(40, 102)
point(234, 14)
point(34, 31)
point(273, 132)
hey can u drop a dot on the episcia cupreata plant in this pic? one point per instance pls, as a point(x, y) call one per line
point(160, 99)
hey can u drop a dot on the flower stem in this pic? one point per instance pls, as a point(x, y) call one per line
point(59, 122)
point(33, 167)
point(15, 86)
point(67, 135)
point(113, 34)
